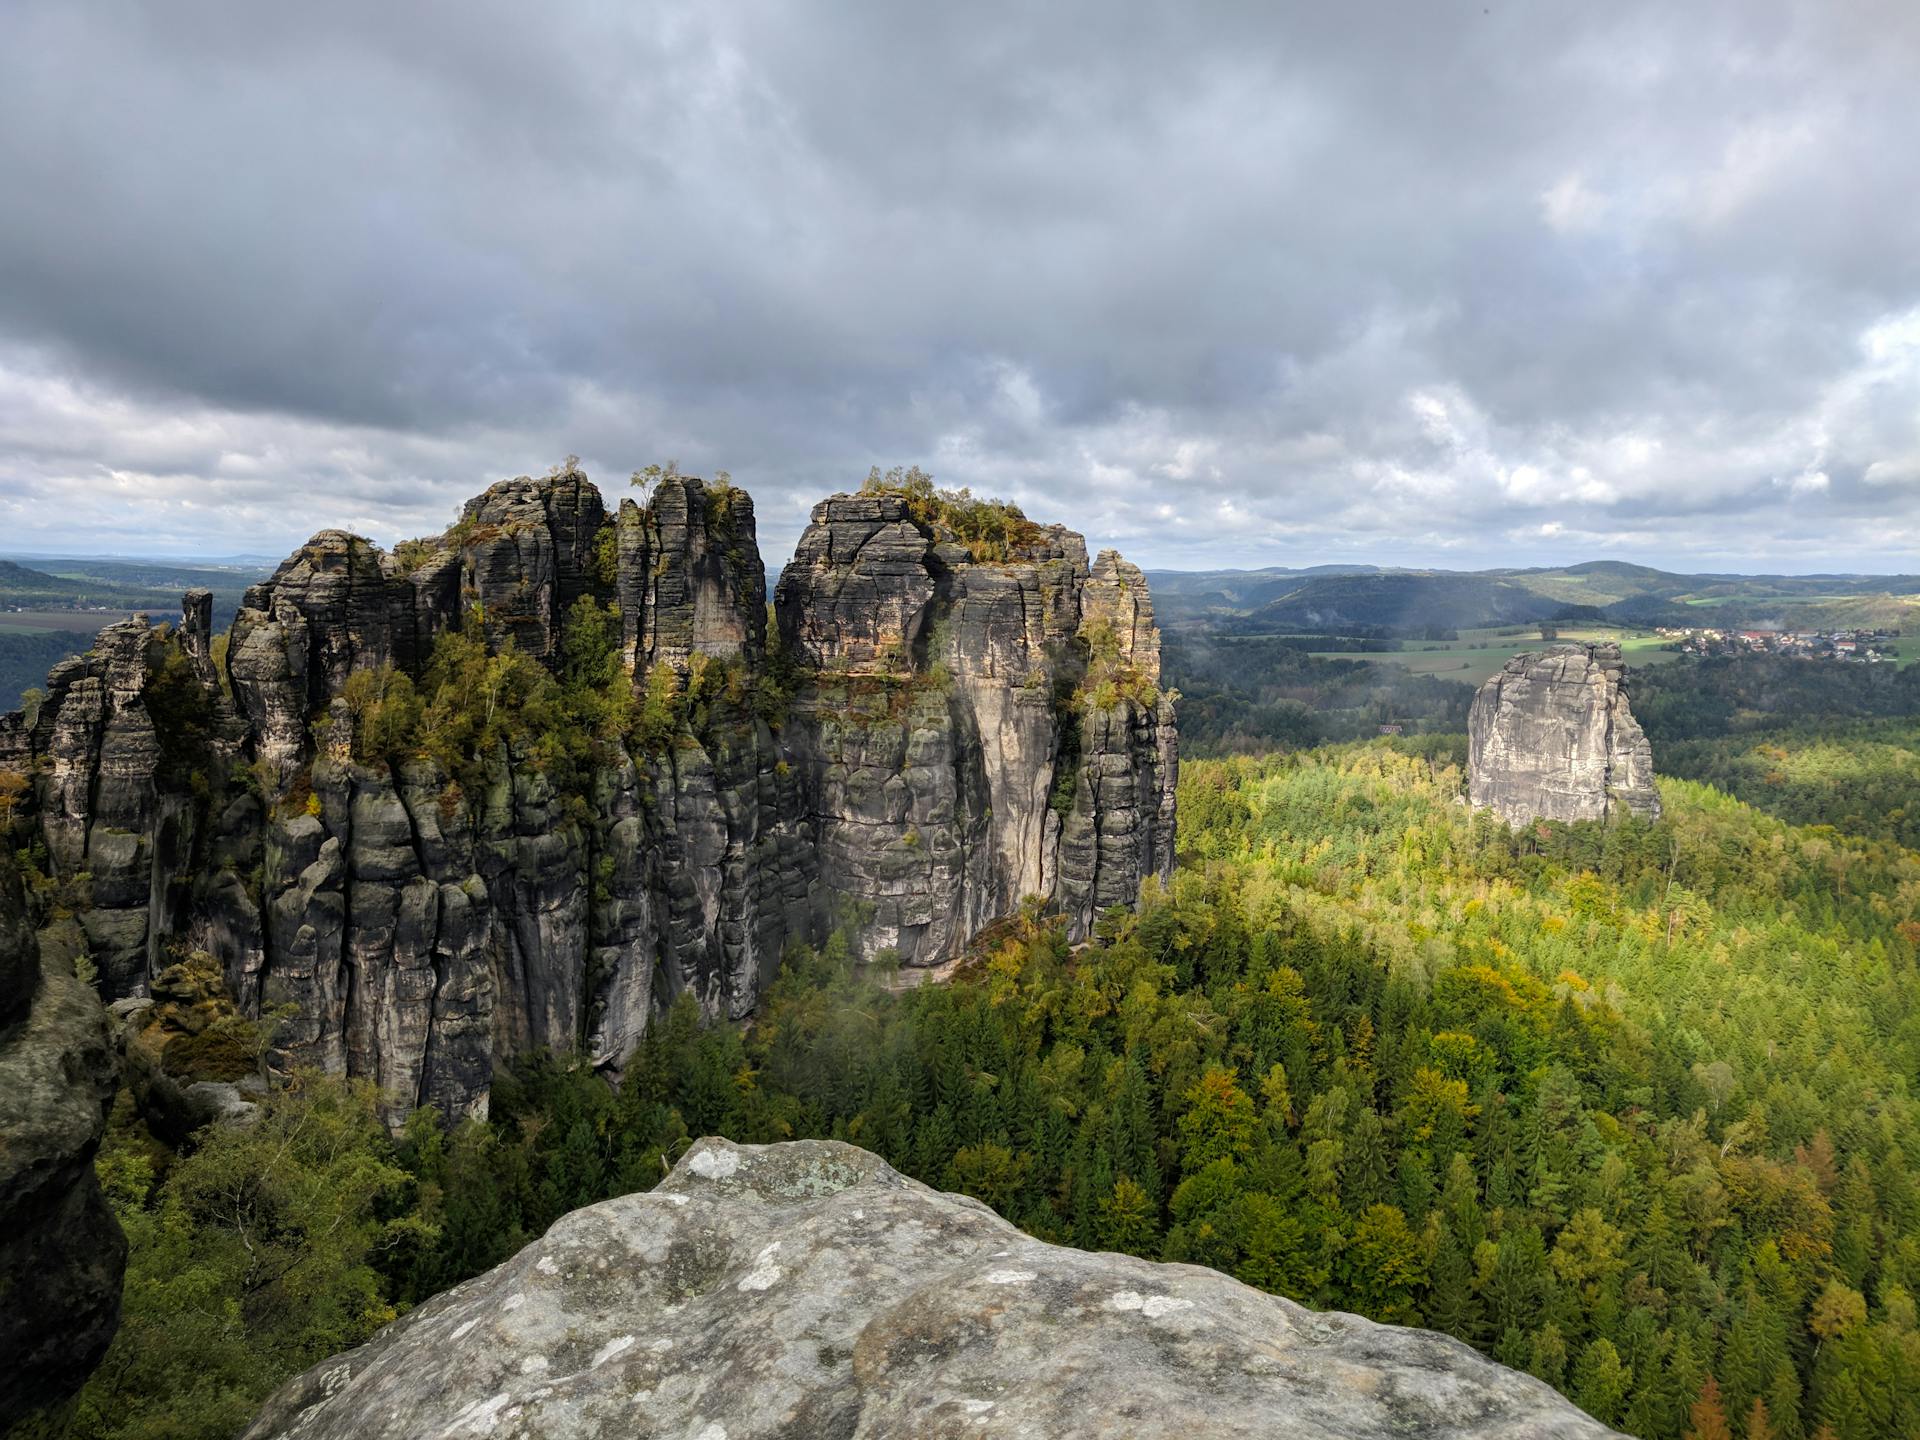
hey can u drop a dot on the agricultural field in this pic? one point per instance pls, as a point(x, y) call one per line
point(1478, 653)
point(76, 622)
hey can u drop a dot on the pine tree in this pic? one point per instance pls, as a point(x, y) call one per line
point(1129, 1221)
point(1368, 1174)
point(1517, 1288)
point(1417, 1191)
point(1742, 1365)
point(933, 1144)
point(1547, 1359)
point(1132, 1133)
point(1451, 1305)
point(1783, 1404)
point(1460, 1202)
point(1601, 1382)
point(1678, 1383)
point(1843, 1409)
point(1708, 1416)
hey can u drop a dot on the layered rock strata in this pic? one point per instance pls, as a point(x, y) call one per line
point(808, 1289)
point(363, 807)
point(1551, 737)
point(974, 732)
point(61, 1251)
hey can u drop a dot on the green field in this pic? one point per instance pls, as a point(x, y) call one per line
point(78, 622)
point(1478, 653)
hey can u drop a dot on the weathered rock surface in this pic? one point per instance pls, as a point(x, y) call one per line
point(1551, 737)
point(923, 738)
point(809, 1290)
point(61, 1250)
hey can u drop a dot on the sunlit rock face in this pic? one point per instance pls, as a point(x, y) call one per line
point(1551, 737)
point(920, 737)
point(808, 1289)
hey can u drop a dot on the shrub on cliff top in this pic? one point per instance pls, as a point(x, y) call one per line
point(993, 531)
point(1112, 673)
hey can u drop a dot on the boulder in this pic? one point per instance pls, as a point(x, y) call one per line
point(1551, 737)
point(808, 1289)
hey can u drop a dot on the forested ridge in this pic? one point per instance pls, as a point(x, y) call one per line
point(1627, 1107)
point(1863, 779)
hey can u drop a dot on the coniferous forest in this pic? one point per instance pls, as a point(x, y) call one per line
point(1628, 1107)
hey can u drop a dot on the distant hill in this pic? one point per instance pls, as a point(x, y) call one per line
point(99, 584)
point(1401, 601)
point(1184, 594)
point(1332, 599)
point(21, 588)
point(26, 657)
point(122, 575)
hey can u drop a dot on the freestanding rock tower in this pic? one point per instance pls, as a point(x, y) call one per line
point(1551, 737)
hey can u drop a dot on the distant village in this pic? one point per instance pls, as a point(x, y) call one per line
point(1861, 646)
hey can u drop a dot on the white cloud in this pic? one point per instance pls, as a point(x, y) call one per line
point(1904, 470)
point(1568, 205)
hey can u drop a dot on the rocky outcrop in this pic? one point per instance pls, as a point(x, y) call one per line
point(809, 1290)
point(1551, 737)
point(61, 1251)
point(521, 784)
point(188, 1056)
point(691, 581)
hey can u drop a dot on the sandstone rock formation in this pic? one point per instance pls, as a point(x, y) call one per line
point(61, 1251)
point(809, 1290)
point(929, 732)
point(1551, 737)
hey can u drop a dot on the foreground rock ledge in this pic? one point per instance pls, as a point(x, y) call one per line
point(808, 1290)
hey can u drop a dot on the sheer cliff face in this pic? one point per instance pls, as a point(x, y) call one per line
point(963, 741)
point(923, 740)
point(1551, 737)
point(61, 1251)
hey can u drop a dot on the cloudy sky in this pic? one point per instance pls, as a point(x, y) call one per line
point(1409, 281)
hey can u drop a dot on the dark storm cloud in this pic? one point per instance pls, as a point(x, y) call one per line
point(1455, 282)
